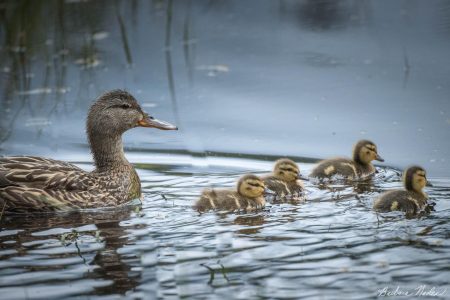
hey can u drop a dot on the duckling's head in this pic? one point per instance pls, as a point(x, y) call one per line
point(415, 179)
point(365, 151)
point(286, 170)
point(117, 111)
point(250, 186)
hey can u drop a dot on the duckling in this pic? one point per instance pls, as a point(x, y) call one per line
point(36, 184)
point(285, 179)
point(412, 200)
point(364, 152)
point(247, 196)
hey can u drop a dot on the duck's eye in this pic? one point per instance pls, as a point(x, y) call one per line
point(125, 106)
point(253, 184)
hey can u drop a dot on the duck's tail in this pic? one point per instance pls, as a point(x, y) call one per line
point(206, 201)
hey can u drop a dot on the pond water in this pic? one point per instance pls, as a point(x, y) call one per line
point(246, 82)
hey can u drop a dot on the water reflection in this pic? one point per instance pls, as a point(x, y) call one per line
point(168, 249)
point(48, 235)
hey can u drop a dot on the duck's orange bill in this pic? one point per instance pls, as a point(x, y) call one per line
point(149, 121)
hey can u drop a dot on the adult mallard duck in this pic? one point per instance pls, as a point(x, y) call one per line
point(29, 183)
point(412, 199)
point(249, 195)
point(364, 152)
point(285, 179)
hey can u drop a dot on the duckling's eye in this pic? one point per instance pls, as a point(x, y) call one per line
point(125, 106)
point(289, 170)
point(367, 152)
point(254, 184)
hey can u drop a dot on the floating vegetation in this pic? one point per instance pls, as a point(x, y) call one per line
point(88, 62)
point(42, 122)
point(212, 272)
point(214, 70)
point(101, 35)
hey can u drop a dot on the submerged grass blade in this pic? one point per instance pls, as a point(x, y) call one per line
point(123, 34)
point(168, 55)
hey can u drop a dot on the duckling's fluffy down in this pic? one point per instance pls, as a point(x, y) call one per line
point(227, 200)
point(400, 200)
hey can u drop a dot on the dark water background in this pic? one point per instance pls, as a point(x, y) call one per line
point(246, 82)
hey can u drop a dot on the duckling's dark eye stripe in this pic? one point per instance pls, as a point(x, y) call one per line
point(255, 184)
point(288, 169)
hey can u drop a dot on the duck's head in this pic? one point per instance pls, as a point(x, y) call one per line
point(117, 111)
point(250, 186)
point(286, 170)
point(365, 151)
point(415, 179)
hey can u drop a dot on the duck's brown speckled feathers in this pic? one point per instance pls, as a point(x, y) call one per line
point(364, 152)
point(411, 200)
point(284, 179)
point(282, 188)
point(35, 184)
point(247, 196)
point(42, 184)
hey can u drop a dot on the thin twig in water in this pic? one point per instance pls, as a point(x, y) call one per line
point(79, 252)
point(211, 273)
point(224, 273)
point(3, 209)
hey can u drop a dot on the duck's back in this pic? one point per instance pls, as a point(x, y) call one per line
point(40, 184)
point(282, 188)
point(226, 200)
point(401, 200)
point(335, 166)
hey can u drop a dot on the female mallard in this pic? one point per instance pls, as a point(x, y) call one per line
point(285, 179)
point(31, 183)
point(364, 152)
point(411, 200)
point(249, 195)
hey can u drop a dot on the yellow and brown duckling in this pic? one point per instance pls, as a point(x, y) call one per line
point(285, 180)
point(29, 183)
point(411, 200)
point(249, 195)
point(364, 152)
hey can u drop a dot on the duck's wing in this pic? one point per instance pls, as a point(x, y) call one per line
point(28, 199)
point(275, 186)
point(41, 184)
point(335, 166)
point(396, 200)
point(42, 173)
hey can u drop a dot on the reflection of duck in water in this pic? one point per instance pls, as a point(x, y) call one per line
point(110, 265)
point(251, 224)
point(411, 200)
point(247, 196)
point(31, 183)
point(285, 179)
point(364, 153)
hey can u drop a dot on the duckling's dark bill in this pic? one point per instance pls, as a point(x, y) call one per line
point(302, 177)
point(148, 121)
point(379, 158)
